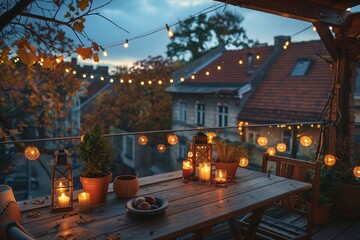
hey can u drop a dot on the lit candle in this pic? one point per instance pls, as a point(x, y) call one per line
point(187, 169)
point(84, 202)
point(220, 175)
point(204, 172)
point(61, 188)
point(63, 201)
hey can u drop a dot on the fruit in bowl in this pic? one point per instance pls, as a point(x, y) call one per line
point(146, 203)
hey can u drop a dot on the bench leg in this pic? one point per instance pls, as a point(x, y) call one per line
point(254, 223)
point(235, 229)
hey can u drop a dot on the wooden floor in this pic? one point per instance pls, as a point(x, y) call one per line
point(337, 229)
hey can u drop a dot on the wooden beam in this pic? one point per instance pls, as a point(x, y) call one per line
point(328, 39)
point(304, 10)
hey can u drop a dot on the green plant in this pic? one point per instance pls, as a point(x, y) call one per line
point(231, 151)
point(327, 188)
point(95, 152)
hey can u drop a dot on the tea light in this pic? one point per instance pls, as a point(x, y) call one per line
point(84, 202)
point(61, 188)
point(187, 168)
point(63, 201)
point(220, 175)
point(204, 172)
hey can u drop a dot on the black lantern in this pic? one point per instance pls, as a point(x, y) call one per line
point(62, 186)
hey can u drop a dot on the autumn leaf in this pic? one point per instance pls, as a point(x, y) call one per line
point(78, 26)
point(84, 52)
point(67, 15)
point(24, 57)
point(95, 46)
point(96, 57)
point(82, 4)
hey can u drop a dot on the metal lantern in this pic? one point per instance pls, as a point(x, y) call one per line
point(201, 151)
point(62, 186)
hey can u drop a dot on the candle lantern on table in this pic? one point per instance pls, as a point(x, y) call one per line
point(220, 176)
point(201, 153)
point(62, 185)
point(187, 169)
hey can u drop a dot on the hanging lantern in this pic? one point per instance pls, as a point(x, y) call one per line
point(62, 186)
point(271, 151)
point(281, 147)
point(142, 140)
point(244, 162)
point(356, 171)
point(172, 139)
point(262, 141)
point(329, 159)
point(32, 153)
point(210, 136)
point(305, 141)
point(161, 148)
point(201, 153)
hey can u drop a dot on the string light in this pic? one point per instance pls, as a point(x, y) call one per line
point(271, 151)
point(262, 141)
point(142, 140)
point(142, 83)
point(207, 73)
point(84, 75)
point(159, 82)
point(182, 79)
point(193, 77)
point(105, 53)
point(305, 141)
point(257, 56)
point(126, 44)
point(74, 72)
point(281, 147)
point(130, 81)
point(32, 153)
point(170, 33)
point(244, 162)
point(111, 80)
point(356, 171)
point(102, 78)
point(172, 139)
point(149, 82)
point(92, 76)
point(171, 80)
point(329, 160)
point(240, 61)
point(219, 67)
point(121, 80)
point(161, 148)
point(314, 29)
point(79, 57)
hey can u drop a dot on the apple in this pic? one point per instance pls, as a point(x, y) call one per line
point(138, 200)
point(144, 206)
point(150, 199)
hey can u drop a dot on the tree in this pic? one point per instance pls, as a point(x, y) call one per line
point(134, 106)
point(196, 36)
point(34, 30)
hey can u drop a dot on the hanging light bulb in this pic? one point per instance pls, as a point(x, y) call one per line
point(271, 151)
point(241, 61)
point(111, 80)
point(207, 73)
point(257, 56)
point(161, 148)
point(182, 79)
point(92, 76)
point(329, 159)
point(102, 78)
point(32, 153)
point(219, 67)
point(305, 141)
point(172, 139)
point(126, 44)
point(314, 29)
point(262, 141)
point(142, 83)
point(193, 77)
point(171, 80)
point(159, 82)
point(244, 162)
point(170, 33)
point(356, 171)
point(142, 140)
point(281, 147)
point(105, 53)
point(190, 154)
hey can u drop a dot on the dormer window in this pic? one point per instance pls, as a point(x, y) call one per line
point(301, 67)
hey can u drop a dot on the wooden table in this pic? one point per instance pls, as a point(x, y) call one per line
point(192, 207)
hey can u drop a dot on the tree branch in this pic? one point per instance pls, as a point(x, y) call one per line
point(30, 15)
point(8, 16)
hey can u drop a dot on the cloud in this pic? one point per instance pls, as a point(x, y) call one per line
point(186, 3)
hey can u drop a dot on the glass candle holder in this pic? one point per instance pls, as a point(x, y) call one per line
point(220, 176)
point(84, 202)
point(204, 172)
point(187, 169)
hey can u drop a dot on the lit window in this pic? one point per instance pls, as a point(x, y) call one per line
point(200, 114)
point(223, 116)
point(301, 67)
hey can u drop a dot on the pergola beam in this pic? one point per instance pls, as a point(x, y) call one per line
point(328, 39)
point(304, 10)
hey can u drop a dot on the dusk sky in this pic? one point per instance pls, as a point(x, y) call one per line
point(145, 16)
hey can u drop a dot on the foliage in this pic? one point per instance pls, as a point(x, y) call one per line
point(328, 186)
point(231, 151)
point(95, 151)
point(134, 106)
point(34, 30)
point(199, 35)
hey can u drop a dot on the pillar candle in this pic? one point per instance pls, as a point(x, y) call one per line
point(63, 201)
point(205, 172)
point(84, 202)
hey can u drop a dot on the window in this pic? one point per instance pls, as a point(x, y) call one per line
point(287, 140)
point(182, 111)
point(200, 114)
point(252, 134)
point(182, 149)
point(129, 143)
point(301, 67)
point(223, 116)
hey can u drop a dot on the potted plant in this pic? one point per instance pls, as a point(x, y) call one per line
point(95, 152)
point(327, 188)
point(229, 153)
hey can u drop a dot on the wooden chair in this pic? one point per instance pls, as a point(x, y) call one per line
point(270, 227)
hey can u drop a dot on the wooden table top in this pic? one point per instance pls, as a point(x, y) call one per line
point(192, 207)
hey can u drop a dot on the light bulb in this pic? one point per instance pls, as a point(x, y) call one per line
point(126, 44)
point(105, 53)
point(170, 33)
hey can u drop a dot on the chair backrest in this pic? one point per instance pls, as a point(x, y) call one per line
point(298, 170)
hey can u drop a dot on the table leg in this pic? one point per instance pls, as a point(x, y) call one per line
point(235, 229)
point(254, 223)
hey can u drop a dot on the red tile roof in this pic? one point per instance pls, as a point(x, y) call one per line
point(281, 97)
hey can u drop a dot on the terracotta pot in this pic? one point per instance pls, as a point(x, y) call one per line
point(229, 167)
point(97, 187)
point(346, 201)
point(126, 186)
point(321, 214)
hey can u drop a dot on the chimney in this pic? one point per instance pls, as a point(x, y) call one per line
point(250, 62)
